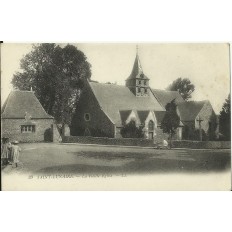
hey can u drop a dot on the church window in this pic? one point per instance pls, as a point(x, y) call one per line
point(139, 90)
point(145, 90)
point(142, 75)
point(139, 82)
point(87, 117)
point(28, 129)
point(145, 82)
point(151, 125)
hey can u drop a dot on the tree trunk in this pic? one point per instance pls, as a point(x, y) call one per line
point(170, 140)
point(63, 130)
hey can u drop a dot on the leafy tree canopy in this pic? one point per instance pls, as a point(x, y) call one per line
point(171, 120)
point(225, 120)
point(183, 86)
point(56, 76)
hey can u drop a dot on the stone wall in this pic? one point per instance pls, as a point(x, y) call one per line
point(108, 141)
point(56, 134)
point(208, 115)
point(202, 144)
point(98, 125)
point(118, 133)
point(11, 128)
point(146, 142)
point(160, 136)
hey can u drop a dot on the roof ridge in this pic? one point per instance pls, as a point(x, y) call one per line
point(194, 101)
point(166, 90)
point(18, 90)
point(108, 84)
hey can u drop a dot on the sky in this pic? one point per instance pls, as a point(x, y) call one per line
point(206, 65)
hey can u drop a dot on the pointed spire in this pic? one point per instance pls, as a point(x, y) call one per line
point(137, 67)
point(137, 82)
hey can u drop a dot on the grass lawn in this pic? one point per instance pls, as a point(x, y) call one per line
point(49, 158)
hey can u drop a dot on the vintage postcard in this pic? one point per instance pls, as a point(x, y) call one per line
point(115, 116)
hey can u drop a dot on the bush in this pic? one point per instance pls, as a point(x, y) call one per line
point(131, 131)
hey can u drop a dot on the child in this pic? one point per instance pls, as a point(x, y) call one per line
point(15, 149)
point(5, 152)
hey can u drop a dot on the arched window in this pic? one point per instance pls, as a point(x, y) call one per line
point(151, 125)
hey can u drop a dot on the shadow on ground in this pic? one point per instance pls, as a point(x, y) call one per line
point(147, 164)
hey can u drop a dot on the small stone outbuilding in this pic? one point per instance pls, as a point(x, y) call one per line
point(24, 119)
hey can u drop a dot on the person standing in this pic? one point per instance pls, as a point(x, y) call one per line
point(5, 151)
point(15, 149)
point(165, 144)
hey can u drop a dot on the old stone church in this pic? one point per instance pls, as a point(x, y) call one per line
point(104, 109)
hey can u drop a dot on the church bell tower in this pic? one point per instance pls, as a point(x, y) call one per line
point(138, 82)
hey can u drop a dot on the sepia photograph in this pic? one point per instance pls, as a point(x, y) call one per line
point(115, 116)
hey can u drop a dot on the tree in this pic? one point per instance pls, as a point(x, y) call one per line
point(183, 86)
point(131, 131)
point(224, 120)
point(56, 76)
point(171, 120)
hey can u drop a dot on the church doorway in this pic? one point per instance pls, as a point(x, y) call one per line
point(151, 129)
point(150, 135)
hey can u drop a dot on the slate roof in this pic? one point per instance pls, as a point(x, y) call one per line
point(159, 116)
point(189, 110)
point(124, 115)
point(137, 70)
point(143, 115)
point(164, 96)
point(115, 98)
point(20, 102)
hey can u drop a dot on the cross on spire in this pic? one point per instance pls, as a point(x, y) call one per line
point(137, 49)
point(199, 120)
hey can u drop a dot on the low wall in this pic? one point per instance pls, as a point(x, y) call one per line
point(202, 145)
point(108, 141)
point(146, 142)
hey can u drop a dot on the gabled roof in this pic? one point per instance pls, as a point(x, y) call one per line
point(20, 102)
point(159, 116)
point(189, 110)
point(143, 114)
point(164, 96)
point(124, 115)
point(137, 70)
point(115, 98)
